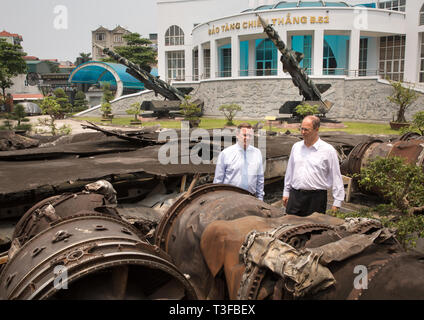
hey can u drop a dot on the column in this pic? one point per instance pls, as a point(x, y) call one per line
point(283, 36)
point(188, 57)
point(201, 62)
point(252, 58)
point(235, 56)
point(354, 45)
point(214, 59)
point(318, 52)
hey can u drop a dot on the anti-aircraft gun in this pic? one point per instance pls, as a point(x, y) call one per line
point(291, 60)
point(173, 96)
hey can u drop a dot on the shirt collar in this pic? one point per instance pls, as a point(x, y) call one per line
point(316, 145)
point(241, 148)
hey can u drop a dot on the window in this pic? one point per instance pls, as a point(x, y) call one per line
point(422, 16)
point(175, 65)
point(396, 5)
point(304, 44)
point(363, 53)
point(117, 38)
point(100, 36)
point(266, 58)
point(392, 57)
point(226, 63)
point(207, 63)
point(329, 61)
point(174, 36)
point(195, 65)
point(422, 57)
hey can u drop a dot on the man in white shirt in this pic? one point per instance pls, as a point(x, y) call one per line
point(241, 164)
point(313, 168)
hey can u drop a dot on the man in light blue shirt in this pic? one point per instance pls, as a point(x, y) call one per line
point(241, 164)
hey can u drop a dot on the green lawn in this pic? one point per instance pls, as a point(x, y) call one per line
point(210, 123)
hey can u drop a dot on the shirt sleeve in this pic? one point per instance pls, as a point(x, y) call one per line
point(288, 175)
point(337, 181)
point(219, 169)
point(260, 179)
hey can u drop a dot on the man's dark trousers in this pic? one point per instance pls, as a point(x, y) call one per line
point(305, 202)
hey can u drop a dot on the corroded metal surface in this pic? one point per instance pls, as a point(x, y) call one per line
point(409, 148)
point(57, 208)
point(103, 257)
point(181, 228)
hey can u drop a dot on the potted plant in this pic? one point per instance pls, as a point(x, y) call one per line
point(230, 111)
point(106, 106)
point(135, 109)
point(403, 97)
point(191, 112)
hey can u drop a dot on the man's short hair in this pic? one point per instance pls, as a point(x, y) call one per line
point(244, 125)
point(316, 122)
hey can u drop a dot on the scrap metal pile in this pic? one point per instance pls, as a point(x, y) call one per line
point(214, 242)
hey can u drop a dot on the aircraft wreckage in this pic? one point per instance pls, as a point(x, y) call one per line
point(100, 210)
point(125, 226)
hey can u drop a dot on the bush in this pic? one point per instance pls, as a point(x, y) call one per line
point(25, 127)
point(51, 107)
point(306, 110)
point(190, 110)
point(19, 113)
point(134, 109)
point(401, 184)
point(417, 124)
point(230, 111)
point(403, 98)
point(80, 102)
point(106, 107)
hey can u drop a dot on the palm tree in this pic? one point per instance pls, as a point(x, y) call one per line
point(83, 58)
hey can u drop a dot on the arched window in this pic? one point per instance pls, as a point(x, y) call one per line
point(266, 58)
point(422, 16)
point(174, 36)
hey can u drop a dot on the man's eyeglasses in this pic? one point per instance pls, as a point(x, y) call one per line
point(305, 129)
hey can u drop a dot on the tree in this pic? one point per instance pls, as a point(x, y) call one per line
point(306, 109)
point(418, 122)
point(137, 51)
point(135, 109)
point(191, 111)
point(63, 100)
point(19, 113)
point(398, 182)
point(106, 107)
point(83, 58)
point(11, 63)
point(403, 97)
point(230, 111)
point(80, 102)
point(52, 108)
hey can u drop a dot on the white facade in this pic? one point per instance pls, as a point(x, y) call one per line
point(230, 39)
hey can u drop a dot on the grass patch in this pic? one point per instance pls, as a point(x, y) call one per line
point(211, 123)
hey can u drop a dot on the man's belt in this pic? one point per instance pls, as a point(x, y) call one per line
point(309, 191)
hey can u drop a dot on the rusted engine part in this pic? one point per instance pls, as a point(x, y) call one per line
point(411, 136)
point(304, 271)
point(98, 197)
point(94, 257)
point(11, 141)
point(221, 242)
point(181, 228)
point(411, 150)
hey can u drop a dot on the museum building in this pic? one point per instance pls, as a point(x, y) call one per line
point(213, 39)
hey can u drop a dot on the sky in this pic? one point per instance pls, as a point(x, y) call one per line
point(61, 29)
